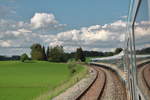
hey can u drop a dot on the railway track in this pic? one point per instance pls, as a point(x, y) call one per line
point(146, 75)
point(95, 90)
point(107, 86)
point(144, 80)
point(114, 89)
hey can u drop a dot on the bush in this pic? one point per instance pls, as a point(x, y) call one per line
point(72, 66)
point(24, 57)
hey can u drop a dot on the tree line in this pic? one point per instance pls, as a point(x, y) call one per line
point(52, 54)
point(57, 54)
point(5, 58)
point(143, 51)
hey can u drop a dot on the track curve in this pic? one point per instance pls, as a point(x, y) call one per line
point(107, 86)
point(95, 90)
point(143, 80)
point(114, 89)
point(146, 75)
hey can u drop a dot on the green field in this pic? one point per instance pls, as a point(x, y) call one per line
point(27, 81)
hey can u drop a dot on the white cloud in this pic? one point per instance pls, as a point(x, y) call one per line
point(69, 35)
point(147, 45)
point(145, 22)
point(142, 29)
point(95, 37)
point(41, 20)
point(98, 37)
point(139, 31)
point(13, 25)
point(122, 37)
point(5, 43)
point(119, 23)
point(54, 43)
point(124, 17)
point(24, 30)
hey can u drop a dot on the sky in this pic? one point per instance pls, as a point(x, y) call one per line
point(92, 24)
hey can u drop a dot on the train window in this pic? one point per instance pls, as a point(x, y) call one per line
point(142, 44)
point(138, 46)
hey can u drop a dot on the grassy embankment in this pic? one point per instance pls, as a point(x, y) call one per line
point(35, 80)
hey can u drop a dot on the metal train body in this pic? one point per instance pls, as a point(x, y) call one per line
point(131, 45)
point(128, 57)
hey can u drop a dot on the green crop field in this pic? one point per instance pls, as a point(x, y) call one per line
point(27, 81)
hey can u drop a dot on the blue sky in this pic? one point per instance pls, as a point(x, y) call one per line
point(74, 13)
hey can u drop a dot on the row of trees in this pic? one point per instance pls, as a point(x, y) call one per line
point(143, 51)
point(101, 54)
point(6, 58)
point(54, 54)
point(57, 54)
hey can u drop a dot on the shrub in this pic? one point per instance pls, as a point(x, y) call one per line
point(24, 57)
point(72, 66)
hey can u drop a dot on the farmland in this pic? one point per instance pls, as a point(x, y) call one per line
point(29, 80)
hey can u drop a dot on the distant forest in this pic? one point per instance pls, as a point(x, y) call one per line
point(86, 54)
point(143, 51)
point(5, 58)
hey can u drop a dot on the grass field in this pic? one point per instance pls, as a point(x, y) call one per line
point(27, 81)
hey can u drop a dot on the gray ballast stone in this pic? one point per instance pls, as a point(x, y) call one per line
point(75, 91)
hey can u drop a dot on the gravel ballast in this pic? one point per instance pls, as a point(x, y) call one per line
point(75, 91)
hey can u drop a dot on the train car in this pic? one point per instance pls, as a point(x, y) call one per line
point(138, 24)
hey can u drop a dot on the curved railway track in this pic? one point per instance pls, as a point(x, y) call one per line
point(106, 86)
point(95, 90)
point(146, 75)
point(114, 89)
point(144, 80)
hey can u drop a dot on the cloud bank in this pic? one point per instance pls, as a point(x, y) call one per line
point(21, 34)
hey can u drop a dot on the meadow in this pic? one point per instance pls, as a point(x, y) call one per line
point(30, 80)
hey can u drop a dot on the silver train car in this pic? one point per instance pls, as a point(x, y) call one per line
point(138, 23)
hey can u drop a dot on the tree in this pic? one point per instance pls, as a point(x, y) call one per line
point(108, 54)
point(43, 53)
point(118, 50)
point(80, 55)
point(37, 52)
point(47, 52)
point(56, 54)
point(72, 66)
point(24, 57)
point(143, 51)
